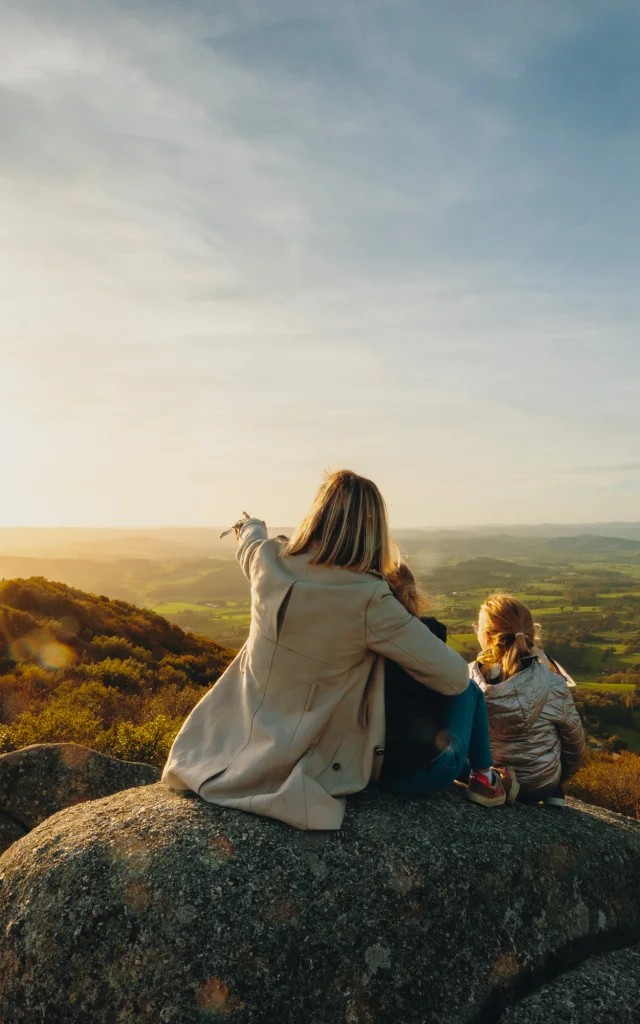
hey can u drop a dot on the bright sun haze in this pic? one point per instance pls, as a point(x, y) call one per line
point(247, 242)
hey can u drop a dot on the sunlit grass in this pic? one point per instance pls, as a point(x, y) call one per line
point(606, 687)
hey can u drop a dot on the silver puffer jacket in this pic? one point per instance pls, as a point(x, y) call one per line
point(534, 725)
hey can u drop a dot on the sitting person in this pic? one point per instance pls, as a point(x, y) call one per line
point(533, 720)
point(296, 723)
point(432, 739)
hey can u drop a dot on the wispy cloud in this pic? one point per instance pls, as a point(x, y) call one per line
point(249, 241)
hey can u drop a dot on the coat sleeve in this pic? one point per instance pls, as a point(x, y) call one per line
point(571, 737)
point(396, 634)
point(252, 536)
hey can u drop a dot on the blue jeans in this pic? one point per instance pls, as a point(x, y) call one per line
point(467, 725)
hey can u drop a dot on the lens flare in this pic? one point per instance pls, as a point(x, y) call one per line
point(55, 655)
point(41, 646)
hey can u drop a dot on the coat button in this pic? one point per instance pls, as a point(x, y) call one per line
point(336, 766)
point(379, 751)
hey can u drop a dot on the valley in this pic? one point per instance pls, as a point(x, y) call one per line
point(583, 588)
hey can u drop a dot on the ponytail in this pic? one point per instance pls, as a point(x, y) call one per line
point(510, 635)
point(519, 647)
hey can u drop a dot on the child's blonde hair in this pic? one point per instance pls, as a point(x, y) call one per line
point(407, 590)
point(509, 632)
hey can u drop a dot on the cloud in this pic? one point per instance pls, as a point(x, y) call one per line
point(253, 240)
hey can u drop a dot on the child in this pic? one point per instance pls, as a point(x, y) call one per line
point(432, 739)
point(533, 721)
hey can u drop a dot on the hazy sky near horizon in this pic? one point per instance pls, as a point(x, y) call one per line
point(245, 242)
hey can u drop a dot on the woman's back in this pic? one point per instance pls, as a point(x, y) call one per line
point(297, 718)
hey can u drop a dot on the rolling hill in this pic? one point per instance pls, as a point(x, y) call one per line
point(76, 666)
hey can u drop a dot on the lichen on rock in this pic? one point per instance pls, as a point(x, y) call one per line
point(150, 906)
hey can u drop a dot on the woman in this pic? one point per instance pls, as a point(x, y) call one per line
point(432, 740)
point(297, 720)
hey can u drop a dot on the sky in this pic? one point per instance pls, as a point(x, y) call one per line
point(244, 243)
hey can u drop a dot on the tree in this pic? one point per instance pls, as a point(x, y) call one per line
point(607, 654)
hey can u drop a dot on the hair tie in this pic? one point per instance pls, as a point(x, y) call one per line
point(522, 634)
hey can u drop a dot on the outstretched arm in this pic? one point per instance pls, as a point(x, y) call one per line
point(393, 632)
point(251, 534)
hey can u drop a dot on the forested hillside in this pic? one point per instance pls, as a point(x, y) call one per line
point(74, 666)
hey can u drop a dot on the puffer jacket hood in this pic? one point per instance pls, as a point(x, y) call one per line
point(534, 725)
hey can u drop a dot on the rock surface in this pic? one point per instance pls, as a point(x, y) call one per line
point(38, 781)
point(604, 990)
point(152, 907)
point(10, 831)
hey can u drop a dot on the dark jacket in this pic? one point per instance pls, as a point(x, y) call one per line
point(414, 716)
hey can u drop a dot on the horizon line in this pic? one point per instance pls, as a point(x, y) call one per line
point(439, 527)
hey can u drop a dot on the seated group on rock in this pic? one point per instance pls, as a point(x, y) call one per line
point(342, 683)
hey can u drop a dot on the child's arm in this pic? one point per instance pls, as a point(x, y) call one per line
point(571, 737)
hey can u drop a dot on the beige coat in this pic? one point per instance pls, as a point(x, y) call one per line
point(534, 724)
point(297, 720)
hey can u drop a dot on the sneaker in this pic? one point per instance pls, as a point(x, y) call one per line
point(481, 791)
point(556, 799)
point(510, 783)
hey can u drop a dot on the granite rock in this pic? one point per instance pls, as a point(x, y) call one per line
point(148, 906)
point(605, 989)
point(10, 831)
point(38, 781)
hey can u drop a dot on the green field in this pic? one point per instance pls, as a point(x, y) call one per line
point(169, 608)
point(607, 687)
point(589, 611)
point(227, 623)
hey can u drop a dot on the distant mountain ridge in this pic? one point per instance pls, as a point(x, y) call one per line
point(183, 542)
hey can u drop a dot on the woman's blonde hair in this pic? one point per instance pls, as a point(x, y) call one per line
point(348, 523)
point(510, 634)
point(407, 590)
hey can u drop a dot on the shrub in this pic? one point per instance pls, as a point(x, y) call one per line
point(58, 723)
point(5, 740)
point(629, 677)
point(172, 701)
point(129, 676)
point(103, 647)
point(611, 781)
point(149, 742)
